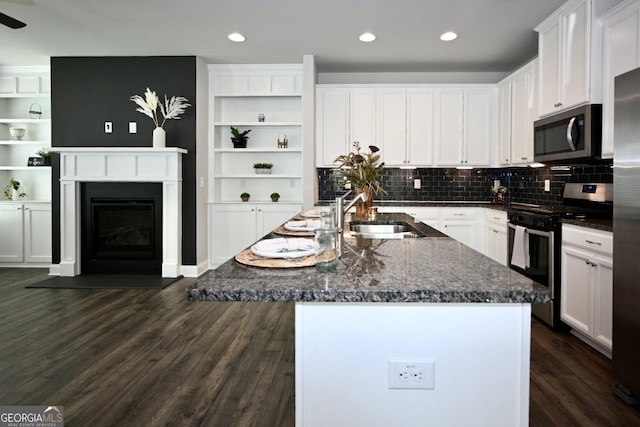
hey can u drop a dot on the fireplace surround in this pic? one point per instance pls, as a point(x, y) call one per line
point(119, 165)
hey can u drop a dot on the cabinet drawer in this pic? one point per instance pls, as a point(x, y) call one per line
point(594, 240)
point(459, 213)
point(496, 217)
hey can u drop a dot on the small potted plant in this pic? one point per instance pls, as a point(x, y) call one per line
point(12, 190)
point(245, 197)
point(263, 168)
point(275, 197)
point(499, 193)
point(46, 156)
point(239, 139)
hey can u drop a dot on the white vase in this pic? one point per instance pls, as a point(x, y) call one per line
point(159, 138)
point(15, 194)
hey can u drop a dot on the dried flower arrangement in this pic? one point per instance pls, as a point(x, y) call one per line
point(172, 108)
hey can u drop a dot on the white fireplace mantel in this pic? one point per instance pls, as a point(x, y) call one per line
point(119, 164)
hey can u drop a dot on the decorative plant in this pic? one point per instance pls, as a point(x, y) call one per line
point(239, 139)
point(172, 108)
point(275, 197)
point(362, 169)
point(496, 190)
point(262, 165)
point(43, 154)
point(245, 196)
point(13, 185)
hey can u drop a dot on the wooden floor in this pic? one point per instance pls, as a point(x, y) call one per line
point(151, 358)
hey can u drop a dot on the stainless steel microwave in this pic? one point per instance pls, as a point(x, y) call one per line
point(571, 136)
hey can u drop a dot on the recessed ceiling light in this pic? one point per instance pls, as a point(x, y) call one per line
point(236, 37)
point(448, 36)
point(367, 37)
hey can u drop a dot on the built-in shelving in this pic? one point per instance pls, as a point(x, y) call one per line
point(23, 91)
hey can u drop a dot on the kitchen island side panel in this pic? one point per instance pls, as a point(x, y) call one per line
point(481, 354)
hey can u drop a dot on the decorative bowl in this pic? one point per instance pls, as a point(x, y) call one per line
point(17, 133)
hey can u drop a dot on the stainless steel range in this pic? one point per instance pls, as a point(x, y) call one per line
point(535, 238)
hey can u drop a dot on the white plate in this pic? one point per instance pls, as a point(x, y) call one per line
point(305, 228)
point(290, 254)
point(310, 214)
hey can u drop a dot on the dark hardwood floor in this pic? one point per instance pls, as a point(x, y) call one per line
point(152, 358)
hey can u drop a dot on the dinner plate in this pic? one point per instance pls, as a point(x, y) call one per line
point(305, 228)
point(284, 254)
point(311, 214)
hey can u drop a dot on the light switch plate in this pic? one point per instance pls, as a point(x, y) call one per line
point(417, 184)
point(133, 127)
point(547, 185)
point(108, 127)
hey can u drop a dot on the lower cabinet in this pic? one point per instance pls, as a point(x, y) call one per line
point(495, 235)
point(586, 302)
point(235, 226)
point(25, 235)
point(463, 225)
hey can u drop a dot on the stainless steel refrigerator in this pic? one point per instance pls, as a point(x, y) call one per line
point(626, 237)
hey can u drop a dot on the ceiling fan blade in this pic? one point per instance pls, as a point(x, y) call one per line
point(11, 22)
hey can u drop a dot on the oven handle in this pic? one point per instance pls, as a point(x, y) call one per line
point(536, 232)
point(572, 145)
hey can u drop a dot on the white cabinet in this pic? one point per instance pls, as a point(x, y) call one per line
point(504, 122)
point(408, 123)
point(495, 235)
point(463, 224)
point(405, 126)
point(238, 95)
point(586, 302)
point(342, 117)
point(235, 226)
point(25, 235)
point(568, 46)
point(621, 53)
point(391, 124)
point(25, 92)
point(523, 114)
point(465, 126)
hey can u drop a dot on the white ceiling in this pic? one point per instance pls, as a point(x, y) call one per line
point(494, 35)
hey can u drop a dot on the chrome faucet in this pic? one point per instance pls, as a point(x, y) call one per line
point(341, 210)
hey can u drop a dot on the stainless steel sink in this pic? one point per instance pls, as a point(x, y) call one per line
point(384, 231)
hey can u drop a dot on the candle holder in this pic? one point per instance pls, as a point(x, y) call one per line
point(283, 142)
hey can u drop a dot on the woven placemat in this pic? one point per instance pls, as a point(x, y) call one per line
point(284, 232)
point(249, 258)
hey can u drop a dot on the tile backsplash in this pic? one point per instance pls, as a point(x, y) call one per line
point(449, 184)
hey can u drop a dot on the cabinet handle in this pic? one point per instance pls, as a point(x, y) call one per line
point(253, 210)
point(495, 217)
point(591, 242)
point(557, 104)
point(506, 160)
point(495, 231)
point(592, 264)
point(459, 214)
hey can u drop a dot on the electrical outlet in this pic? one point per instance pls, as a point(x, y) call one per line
point(417, 184)
point(412, 374)
point(133, 127)
point(547, 185)
point(108, 127)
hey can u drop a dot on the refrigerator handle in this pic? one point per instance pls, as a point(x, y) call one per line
point(572, 145)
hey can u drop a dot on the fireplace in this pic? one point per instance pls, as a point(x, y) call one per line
point(121, 228)
point(112, 167)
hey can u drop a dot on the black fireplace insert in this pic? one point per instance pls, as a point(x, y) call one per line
point(121, 229)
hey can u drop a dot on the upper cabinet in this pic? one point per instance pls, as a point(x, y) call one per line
point(568, 46)
point(409, 124)
point(465, 126)
point(621, 53)
point(25, 103)
point(518, 111)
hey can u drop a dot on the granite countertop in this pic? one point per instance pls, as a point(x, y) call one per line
point(604, 224)
point(434, 269)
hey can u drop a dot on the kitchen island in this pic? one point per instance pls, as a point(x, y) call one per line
point(429, 302)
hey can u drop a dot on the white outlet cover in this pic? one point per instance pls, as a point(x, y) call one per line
point(108, 127)
point(417, 183)
point(412, 374)
point(133, 127)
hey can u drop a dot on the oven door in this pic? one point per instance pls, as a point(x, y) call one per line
point(541, 268)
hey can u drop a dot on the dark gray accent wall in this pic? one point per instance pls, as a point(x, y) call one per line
point(88, 91)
